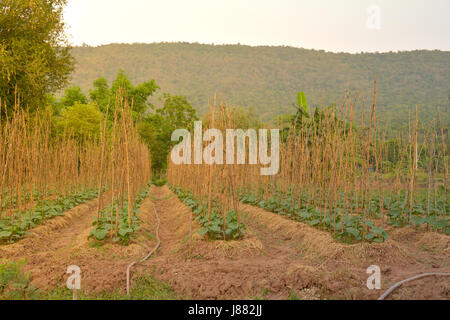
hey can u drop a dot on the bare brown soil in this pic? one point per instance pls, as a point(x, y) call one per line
point(277, 259)
point(281, 258)
point(63, 241)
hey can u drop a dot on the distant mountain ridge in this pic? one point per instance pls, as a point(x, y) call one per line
point(268, 78)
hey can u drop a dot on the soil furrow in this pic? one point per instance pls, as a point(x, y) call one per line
point(279, 259)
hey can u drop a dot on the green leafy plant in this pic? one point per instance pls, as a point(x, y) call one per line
point(213, 226)
point(344, 227)
point(159, 182)
point(124, 233)
point(14, 229)
point(14, 282)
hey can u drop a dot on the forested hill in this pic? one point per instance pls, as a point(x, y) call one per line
point(268, 78)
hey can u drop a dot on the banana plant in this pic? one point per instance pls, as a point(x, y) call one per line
point(302, 109)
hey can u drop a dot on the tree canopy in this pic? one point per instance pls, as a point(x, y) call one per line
point(156, 128)
point(80, 120)
point(35, 57)
point(81, 115)
point(137, 96)
point(268, 78)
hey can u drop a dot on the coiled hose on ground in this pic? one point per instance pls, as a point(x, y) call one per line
point(148, 255)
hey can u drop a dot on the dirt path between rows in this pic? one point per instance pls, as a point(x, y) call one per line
point(339, 270)
point(63, 241)
point(281, 258)
point(277, 259)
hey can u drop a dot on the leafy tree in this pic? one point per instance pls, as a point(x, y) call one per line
point(81, 120)
point(34, 56)
point(156, 129)
point(73, 95)
point(239, 117)
point(101, 94)
point(177, 111)
point(156, 132)
point(77, 113)
point(137, 96)
point(265, 77)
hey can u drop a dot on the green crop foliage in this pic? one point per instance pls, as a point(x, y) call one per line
point(214, 227)
point(14, 229)
point(124, 233)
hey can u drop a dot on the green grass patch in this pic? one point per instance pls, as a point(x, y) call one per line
point(15, 285)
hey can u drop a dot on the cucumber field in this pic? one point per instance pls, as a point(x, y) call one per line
point(194, 171)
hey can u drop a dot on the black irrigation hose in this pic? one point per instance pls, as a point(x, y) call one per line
point(148, 255)
point(398, 284)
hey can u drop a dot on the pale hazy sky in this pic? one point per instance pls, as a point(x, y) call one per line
point(332, 25)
